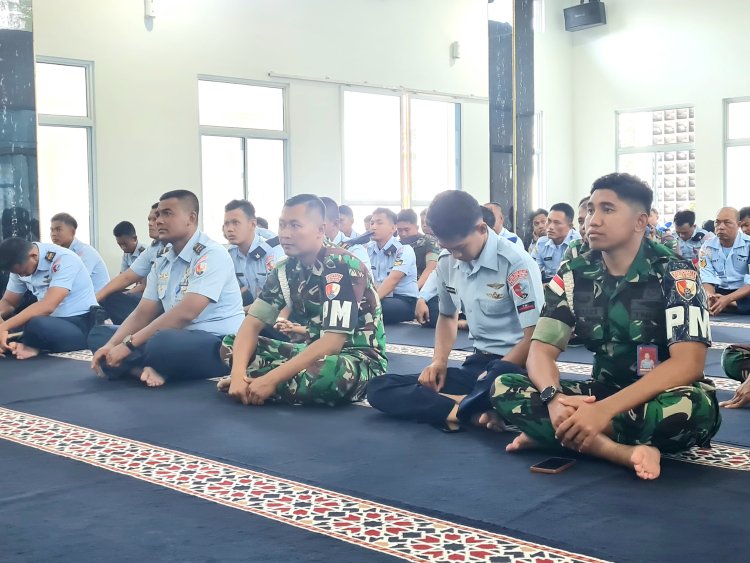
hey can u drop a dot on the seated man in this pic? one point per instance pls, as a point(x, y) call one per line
point(394, 267)
point(425, 247)
point(59, 320)
point(336, 236)
point(725, 265)
point(736, 363)
point(191, 301)
point(63, 232)
point(127, 240)
point(691, 238)
point(119, 301)
point(346, 222)
point(425, 226)
point(581, 245)
point(659, 233)
point(625, 297)
point(253, 256)
point(499, 223)
point(550, 249)
point(330, 290)
point(500, 288)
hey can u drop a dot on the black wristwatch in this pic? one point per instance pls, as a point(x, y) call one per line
point(548, 394)
point(128, 341)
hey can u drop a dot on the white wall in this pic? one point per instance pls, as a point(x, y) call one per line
point(653, 54)
point(147, 135)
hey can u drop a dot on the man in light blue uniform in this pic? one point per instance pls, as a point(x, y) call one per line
point(59, 320)
point(127, 240)
point(117, 300)
point(394, 268)
point(725, 265)
point(337, 236)
point(346, 222)
point(191, 301)
point(499, 288)
point(253, 255)
point(690, 237)
point(63, 231)
point(499, 226)
point(550, 249)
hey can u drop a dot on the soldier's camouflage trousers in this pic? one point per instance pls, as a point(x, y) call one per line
point(736, 361)
point(675, 420)
point(331, 381)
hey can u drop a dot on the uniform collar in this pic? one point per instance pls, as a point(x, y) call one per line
point(43, 265)
point(568, 238)
point(741, 240)
point(389, 247)
point(487, 258)
point(257, 241)
point(339, 238)
point(187, 253)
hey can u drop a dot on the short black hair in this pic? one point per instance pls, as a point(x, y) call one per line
point(262, 223)
point(584, 201)
point(453, 214)
point(564, 208)
point(156, 205)
point(14, 251)
point(387, 212)
point(186, 197)
point(488, 216)
point(407, 216)
point(684, 217)
point(247, 208)
point(744, 213)
point(311, 203)
point(496, 204)
point(66, 218)
point(627, 187)
point(708, 226)
point(124, 229)
point(332, 209)
point(536, 212)
point(346, 211)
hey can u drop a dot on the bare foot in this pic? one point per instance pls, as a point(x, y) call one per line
point(646, 461)
point(521, 442)
point(151, 377)
point(491, 421)
point(22, 352)
point(223, 383)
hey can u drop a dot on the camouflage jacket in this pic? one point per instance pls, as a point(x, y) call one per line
point(335, 294)
point(660, 301)
point(425, 248)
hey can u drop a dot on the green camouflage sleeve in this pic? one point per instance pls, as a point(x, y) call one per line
point(557, 321)
point(433, 250)
point(270, 302)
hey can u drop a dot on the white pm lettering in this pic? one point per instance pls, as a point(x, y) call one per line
point(338, 313)
point(698, 321)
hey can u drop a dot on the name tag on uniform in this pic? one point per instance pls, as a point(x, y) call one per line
point(648, 359)
point(548, 258)
point(450, 289)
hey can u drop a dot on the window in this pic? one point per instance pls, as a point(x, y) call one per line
point(659, 147)
point(399, 150)
point(243, 149)
point(65, 143)
point(737, 151)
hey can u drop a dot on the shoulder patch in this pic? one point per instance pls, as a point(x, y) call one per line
point(198, 248)
point(50, 256)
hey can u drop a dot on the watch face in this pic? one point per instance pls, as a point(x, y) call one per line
point(548, 393)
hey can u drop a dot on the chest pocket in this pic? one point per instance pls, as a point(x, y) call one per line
point(646, 322)
point(739, 261)
point(493, 307)
point(590, 309)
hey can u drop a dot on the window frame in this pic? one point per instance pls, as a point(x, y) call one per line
point(405, 98)
point(88, 123)
point(246, 133)
point(728, 143)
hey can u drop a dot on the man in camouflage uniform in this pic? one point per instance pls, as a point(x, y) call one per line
point(331, 290)
point(736, 363)
point(624, 298)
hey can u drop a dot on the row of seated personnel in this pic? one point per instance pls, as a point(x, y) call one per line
point(639, 308)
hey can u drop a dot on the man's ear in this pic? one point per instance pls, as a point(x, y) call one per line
point(642, 222)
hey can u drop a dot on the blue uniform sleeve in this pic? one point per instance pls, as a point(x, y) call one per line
point(445, 292)
point(405, 260)
point(210, 274)
point(64, 270)
point(15, 285)
point(430, 287)
point(124, 263)
point(151, 291)
point(707, 272)
point(142, 265)
point(536, 255)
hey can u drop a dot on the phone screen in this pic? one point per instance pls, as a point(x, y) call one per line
point(553, 463)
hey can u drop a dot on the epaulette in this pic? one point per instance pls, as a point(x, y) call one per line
point(155, 242)
point(50, 256)
point(273, 242)
point(443, 254)
point(513, 239)
point(141, 248)
point(198, 248)
point(163, 251)
point(361, 239)
point(391, 250)
point(698, 237)
point(259, 253)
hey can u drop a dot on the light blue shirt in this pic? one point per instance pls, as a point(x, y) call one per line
point(730, 271)
point(359, 251)
point(548, 255)
point(128, 259)
point(93, 262)
point(144, 262)
point(252, 268)
point(690, 249)
point(267, 234)
point(58, 267)
point(203, 267)
point(500, 292)
point(430, 287)
point(512, 237)
point(398, 257)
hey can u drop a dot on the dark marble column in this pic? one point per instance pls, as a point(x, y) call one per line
point(511, 99)
point(19, 196)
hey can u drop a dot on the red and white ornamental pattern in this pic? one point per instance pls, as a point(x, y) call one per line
point(403, 534)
